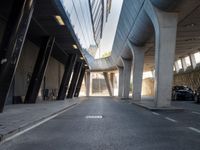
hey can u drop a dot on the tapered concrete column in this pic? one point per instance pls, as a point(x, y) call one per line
point(87, 83)
point(112, 80)
point(138, 65)
point(108, 83)
point(12, 44)
point(184, 64)
point(193, 62)
point(120, 86)
point(39, 69)
point(75, 78)
point(165, 25)
point(126, 77)
point(176, 67)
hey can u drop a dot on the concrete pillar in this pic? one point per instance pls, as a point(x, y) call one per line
point(184, 64)
point(69, 67)
point(108, 83)
point(75, 78)
point(165, 25)
point(126, 77)
point(176, 66)
point(120, 86)
point(39, 69)
point(80, 81)
point(87, 83)
point(112, 80)
point(12, 44)
point(193, 61)
point(138, 65)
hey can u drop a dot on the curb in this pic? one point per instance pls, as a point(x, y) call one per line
point(171, 109)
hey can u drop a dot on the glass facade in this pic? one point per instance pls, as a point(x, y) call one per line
point(78, 12)
point(180, 66)
point(187, 61)
point(87, 19)
point(97, 18)
point(197, 57)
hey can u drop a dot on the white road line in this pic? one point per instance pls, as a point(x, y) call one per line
point(195, 112)
point(35, 125)
point(155, 113)
point(194, 129)
point(170, 119)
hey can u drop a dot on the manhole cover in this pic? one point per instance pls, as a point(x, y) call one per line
point(94, 117)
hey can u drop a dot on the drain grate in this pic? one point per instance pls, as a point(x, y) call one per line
point(94, 117)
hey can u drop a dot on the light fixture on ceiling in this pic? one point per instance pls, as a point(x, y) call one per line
point(59, 20)
point(86, 65)
point(74, 46)
point(81, 58)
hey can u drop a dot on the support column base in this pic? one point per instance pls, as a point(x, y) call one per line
point(150, 105)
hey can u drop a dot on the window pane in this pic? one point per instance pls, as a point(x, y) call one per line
point(179, 64)
point(197, 57)
point(187, 61)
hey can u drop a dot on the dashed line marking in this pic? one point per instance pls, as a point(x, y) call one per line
point(195, 112)
point(194, 129)
point(170, 119)
point(155, 113)
point(94, 117)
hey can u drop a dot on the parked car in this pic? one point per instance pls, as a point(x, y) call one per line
point(182, 93)
point(197, 95)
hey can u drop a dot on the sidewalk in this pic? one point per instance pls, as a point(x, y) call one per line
point(17, 118)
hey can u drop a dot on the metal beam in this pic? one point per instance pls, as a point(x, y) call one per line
point(39, 69)
point(80, 81)
point(69, 67)
point(12, 44)
point(75, 78)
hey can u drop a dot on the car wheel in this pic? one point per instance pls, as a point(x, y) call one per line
point(175, 96)
point(195, 99)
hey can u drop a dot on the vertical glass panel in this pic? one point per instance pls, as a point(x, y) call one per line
point(187, 61)
point(197, 57)
point(180, 66)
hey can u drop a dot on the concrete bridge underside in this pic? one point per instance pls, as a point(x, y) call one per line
point(150, 34)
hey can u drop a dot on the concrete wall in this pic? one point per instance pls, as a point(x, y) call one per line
point(98, 85)
point(148, 87)
point(53, 76)
point(190, 79)
point(25, 68)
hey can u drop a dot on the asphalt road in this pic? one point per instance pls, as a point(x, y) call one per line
point(123, 126)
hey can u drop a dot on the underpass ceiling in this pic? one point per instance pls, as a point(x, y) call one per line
point(43, 24)
point(188, 32)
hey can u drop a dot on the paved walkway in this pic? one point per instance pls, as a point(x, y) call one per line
point(16, 118)
point(110, 124)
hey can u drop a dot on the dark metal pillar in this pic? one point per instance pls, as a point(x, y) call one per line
point(75, 78)
point(12, 43)
point(69, 67)
point(78, 88)
point(39, 69)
